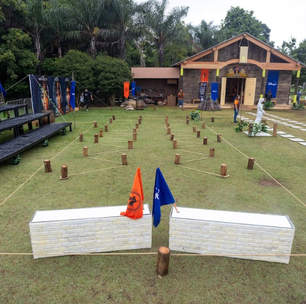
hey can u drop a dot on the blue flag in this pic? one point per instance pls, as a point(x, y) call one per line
point(214, 90)
point(2, 90)
point(133, 87)
point(162, 196)
point(72, 94)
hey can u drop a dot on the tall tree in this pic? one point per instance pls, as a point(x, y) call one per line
point(88, 21)
point(163, 28)
point(238, 20)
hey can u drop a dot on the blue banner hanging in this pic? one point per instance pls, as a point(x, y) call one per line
point(202, 90)
point(72, 94)
point(214, 90)
point(2, 90)
point(133, 87)
point(272, 82)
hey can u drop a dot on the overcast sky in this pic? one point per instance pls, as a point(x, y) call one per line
point(285, 19)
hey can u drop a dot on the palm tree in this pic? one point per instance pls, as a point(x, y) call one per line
point(88, 20)
point(163, 28)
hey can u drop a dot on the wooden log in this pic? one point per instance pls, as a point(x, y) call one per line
point(81, 137)
point(212, 152)
point(139, 120)
point(177, 159)
point(250, 163)
point(274, 130)
point(140, 117)
point(85, 151)
point(114, 117)
point(106, 128)
point(163, 259)
point(47, 164)
point(213, 119)
point(218, 137)
point(166, 119)
point(130, 144)
point(110, 120)
point(171, 136)
point(174, 144)
point(199, 133)
point(134, 130)
point(64, 172)
point(134, 136)
point(194, 129)
point(167, 125)
point(223, 170)
point(96, 138)
point(95, 124)
point(101, 133)
point(168, 130)
point(124, 159)
point(187, 121)
point(250, 128)
point(187, 117)
point(204, 140)
point(203, 125)
point(137, 126)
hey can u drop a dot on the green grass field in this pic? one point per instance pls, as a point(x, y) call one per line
point(101, 180)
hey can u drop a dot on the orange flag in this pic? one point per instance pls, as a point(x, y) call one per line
point(126, 89)
point(134, 208)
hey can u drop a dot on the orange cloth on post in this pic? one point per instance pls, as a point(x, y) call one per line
point(134, 208)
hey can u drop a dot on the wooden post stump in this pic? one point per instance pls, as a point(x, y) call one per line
point(167, 125)
point(198, 133)
point(81, 137)
point(212, 152)
point(47, 164)
point(171, 136)
point(251, 163)
point(114, 117)
point(110, 120)
point(250, 128)
point(85, 151)
point(213, 119)
point(174, 144)
point(166, 119)
point(101, 133)
point(134, 136)
point(177, 159)
point(168, 130)
point(194, 128)
point(139, 121)
point(187, 121)
point(137, 126)
point(130, 144)
point(274, 130)
point(203, 125)
point(96, 138)
point(204, 140)
point(134, 130)
point(95, 124)
point(140, 117)
point(106, 128)
point(64, 172)
point(163, 258)
point(223, 170)
point(218, 137)
point(187, 117)
point(263, 121)
point(124, 159)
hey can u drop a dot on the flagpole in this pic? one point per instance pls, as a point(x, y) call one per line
point(174, 205)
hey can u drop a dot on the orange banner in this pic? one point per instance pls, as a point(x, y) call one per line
point(126, 89)
point(134, 208)
point(204, 75)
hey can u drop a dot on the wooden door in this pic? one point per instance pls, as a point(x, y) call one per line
point(249, 94)
point(223, 91)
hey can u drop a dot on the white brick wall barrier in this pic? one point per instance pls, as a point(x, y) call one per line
point(88, 230)
point(234, 234)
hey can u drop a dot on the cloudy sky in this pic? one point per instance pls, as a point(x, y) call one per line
point(285, 19)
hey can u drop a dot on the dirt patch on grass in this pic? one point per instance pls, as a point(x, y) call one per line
point(268, 183)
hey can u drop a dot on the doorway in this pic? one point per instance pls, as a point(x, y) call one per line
point(234, 87)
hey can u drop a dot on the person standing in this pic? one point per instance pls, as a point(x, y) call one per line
point(236, 108)
point(268, 95)
point(180, 97)
point(87, 98)
point(298, 96)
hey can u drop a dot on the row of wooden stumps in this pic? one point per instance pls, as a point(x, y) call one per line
point(187, 121)
point(274, 134)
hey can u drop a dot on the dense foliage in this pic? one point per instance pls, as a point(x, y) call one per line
point(35, 35)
